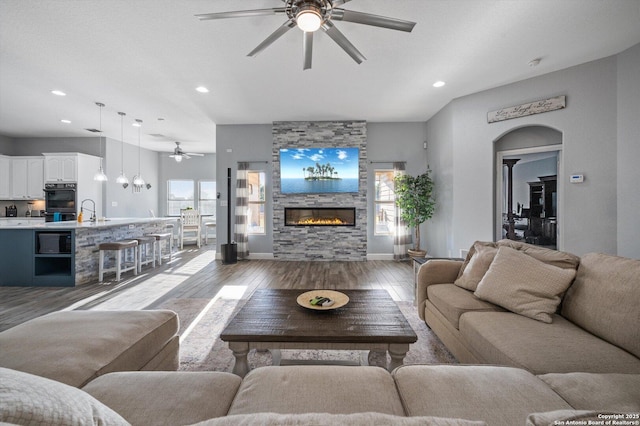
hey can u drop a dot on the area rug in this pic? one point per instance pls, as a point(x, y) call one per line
point(202, 321)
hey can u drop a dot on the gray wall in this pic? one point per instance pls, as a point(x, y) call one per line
point(589, 126)
point(250, 142)
point(628, 172)
point(386, 143)
point(195, 168)
point(6, 145)
point(131, 203)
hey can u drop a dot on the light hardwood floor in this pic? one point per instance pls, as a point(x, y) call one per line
point(193, 273)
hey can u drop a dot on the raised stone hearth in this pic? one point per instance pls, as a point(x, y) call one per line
point(320, 242)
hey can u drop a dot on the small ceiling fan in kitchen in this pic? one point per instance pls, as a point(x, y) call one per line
point(312, 15)
point(179, 154)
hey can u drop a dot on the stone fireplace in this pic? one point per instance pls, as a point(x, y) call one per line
point(315, 241)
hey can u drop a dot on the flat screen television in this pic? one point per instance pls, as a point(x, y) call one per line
point(319, 170)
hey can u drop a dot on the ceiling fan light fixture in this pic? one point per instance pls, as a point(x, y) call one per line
point(178, 158)
point(309, 18)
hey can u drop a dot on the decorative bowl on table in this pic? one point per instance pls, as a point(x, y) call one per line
point(338, 299)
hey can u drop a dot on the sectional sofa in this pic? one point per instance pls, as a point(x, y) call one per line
point(546, 311)
point(325, 395)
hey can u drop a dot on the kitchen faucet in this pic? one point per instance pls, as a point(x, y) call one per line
point(93, 212)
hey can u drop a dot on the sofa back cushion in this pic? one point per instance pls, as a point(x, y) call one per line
point(557, 258)
point(605, 299)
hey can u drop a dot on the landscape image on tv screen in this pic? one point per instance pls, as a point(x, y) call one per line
point(319, 170)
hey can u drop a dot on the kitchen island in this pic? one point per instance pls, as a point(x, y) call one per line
point(63, 254)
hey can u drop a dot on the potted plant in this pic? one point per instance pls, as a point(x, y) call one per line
point(414, 196)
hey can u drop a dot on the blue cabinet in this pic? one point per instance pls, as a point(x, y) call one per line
point(37, 258)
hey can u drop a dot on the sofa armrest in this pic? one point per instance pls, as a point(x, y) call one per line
point(435, 271)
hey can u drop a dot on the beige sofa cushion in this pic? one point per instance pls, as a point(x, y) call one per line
point(510, 339)
point(324, 419)
point(453, 301)
point(605, 299)
point(607, 392)
point(172, 398)
point(81, 345)
point(477, 266)
point(28, 399)
point(557, 258)
point(304, 388)
point(496, 395)
point(523, 284)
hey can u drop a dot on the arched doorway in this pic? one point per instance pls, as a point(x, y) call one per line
point(528, 197)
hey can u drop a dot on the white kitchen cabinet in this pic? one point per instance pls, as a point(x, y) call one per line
point(27, 178)
point(76, 167)
point(5, 177)
point(60, 168)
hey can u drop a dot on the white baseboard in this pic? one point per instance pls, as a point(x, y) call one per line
point(380, 256)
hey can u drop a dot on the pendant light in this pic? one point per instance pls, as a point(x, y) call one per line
point(137, 180)
point(122, 179)
point(100, 175)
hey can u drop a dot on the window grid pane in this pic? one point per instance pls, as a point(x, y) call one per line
point(180, 195)
point(256, 181)
point(207, 198)
point(384, 203)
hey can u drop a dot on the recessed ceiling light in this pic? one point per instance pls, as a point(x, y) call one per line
point(65, 121)
point(202, 89)
point(438, 84)
point(535, 62)
point(58, 93)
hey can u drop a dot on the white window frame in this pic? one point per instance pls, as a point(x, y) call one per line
point(212, 200)
point(183, 205)
point(378, 203)
point(253, 192)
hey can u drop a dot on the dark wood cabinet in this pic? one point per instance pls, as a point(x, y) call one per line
point(542, 211)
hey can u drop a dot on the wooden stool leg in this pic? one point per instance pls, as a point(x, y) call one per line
point(136, 256)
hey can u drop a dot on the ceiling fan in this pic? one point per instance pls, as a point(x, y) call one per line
point(310, 16)
point(179, 154)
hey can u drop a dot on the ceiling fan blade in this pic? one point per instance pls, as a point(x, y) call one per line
point(339, 2)
point(241, 13)
point(370, 19)
point(342, 41)
point(273, 37)
point(194, 154)
point(307, 49)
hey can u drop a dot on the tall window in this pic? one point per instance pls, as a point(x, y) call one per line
point(256, 186)
point(384, 202)
point(207, 197)
point(179, 196)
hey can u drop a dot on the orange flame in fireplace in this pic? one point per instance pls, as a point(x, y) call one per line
point(321, 221)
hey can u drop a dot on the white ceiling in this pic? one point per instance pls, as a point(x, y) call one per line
point(145, 57)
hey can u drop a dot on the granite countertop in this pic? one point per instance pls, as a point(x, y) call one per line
point(119, 221)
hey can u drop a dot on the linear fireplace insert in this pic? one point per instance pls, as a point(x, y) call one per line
point(320, 216)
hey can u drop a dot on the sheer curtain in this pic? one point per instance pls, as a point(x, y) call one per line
point(241, 230)
point(402, 233)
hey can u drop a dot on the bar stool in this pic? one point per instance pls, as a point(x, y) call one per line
point(160, 237)
point(120, 248)
point(146, 251)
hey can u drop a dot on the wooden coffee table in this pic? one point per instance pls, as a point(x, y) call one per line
point(272, 319)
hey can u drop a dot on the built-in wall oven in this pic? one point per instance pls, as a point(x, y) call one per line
point(60, 201)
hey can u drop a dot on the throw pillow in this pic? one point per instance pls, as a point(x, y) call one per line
point(524, 285)
point(472, 251)
point(29, 399)
point(476, 268)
